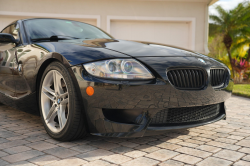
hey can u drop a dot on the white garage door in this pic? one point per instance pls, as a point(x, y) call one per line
point(4, 21)
point(173, 33)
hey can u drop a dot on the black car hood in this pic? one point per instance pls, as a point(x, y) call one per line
point(139, 49)
point(83, 51)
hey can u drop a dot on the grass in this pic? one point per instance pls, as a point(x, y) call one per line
point(242, 90)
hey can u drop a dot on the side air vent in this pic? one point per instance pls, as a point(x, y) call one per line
point(218, 77)
point(187, 78)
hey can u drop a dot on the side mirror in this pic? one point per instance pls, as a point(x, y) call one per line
point(7, 41)
point(6, 38)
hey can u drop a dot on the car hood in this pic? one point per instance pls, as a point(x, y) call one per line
point(83, 51)
point(137, 48)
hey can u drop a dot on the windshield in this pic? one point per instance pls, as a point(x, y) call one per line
point(45, 28)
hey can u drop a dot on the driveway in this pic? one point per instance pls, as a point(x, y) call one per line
point(23, 141)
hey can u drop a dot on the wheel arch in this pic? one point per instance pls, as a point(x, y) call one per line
point(49, 58)
point(52, 57)
point(80, 125)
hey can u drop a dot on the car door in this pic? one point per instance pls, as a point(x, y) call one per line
point(7, 64)
point(12, 81)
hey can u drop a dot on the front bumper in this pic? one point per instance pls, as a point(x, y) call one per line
point(144, 99)
point(145, 130)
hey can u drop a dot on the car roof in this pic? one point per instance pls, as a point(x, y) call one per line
point(38, 18)
point(30, 19)
point(13, 22)
point(47, 18)
point(8, 25)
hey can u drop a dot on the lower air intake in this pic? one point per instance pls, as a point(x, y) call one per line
point(185, 115)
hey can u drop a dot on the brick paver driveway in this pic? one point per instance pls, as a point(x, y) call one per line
point(23, 141)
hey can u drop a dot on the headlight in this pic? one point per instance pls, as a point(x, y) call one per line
point(118, 69)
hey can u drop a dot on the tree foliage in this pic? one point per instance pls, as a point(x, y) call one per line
point(230, 33)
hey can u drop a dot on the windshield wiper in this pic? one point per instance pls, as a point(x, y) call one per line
point(55, 38)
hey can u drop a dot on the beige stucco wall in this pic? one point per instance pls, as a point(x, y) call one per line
point(104, 8)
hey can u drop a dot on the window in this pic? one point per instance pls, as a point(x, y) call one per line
point(6, 30)
point(13, 29)
point(45, 28)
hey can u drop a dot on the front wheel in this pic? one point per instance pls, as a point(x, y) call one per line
point(59, 105)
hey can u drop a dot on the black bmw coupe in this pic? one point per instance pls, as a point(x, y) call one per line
point(82, 80)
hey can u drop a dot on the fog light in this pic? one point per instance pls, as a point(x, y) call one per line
point(90, 90)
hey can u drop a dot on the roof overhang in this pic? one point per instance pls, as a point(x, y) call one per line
point(212, 2)
point(209, 2)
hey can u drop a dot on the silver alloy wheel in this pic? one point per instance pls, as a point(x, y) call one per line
point(54, 101)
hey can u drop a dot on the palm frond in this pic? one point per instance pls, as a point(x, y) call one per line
point(216, 19)
point(241, 31)
point(241, 13)
point(222, 12)
point(240, 43)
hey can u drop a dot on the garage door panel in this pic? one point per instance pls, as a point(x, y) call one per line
point(173, 33)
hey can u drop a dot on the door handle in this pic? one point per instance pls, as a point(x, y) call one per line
point(20, 68)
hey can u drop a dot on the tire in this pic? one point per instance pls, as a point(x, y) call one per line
point(59, 105)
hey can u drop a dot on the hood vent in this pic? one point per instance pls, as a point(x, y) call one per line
point(187, 78)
